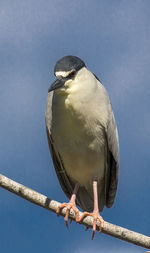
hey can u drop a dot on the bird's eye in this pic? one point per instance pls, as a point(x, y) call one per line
point(72, 74)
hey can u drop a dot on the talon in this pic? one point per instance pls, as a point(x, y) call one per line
point(94, 228)
point(59, 208)
point(96, 217)
point(66, 217)
point(58, 211)
point(68, 207)
point(93, 234)
point(66, 222)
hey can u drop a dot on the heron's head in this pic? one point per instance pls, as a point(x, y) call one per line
point(66, 70)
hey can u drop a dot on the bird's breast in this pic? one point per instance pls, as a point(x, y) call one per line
point(79, 138)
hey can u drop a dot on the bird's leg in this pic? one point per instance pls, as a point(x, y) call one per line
point(70, 205)
point(96, 216)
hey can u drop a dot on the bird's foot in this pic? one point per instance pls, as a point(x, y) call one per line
point(96, 216)
point(68, 207)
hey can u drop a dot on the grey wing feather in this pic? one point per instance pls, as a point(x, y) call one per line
point(67, 185)
point(112, 161)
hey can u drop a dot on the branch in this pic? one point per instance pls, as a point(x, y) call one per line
point(51, 205)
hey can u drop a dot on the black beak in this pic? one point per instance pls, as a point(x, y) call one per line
point(58, 83)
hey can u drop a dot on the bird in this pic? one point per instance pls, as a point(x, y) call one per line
point(83, 140)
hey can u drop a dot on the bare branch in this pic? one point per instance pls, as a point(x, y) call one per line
point(51, 205)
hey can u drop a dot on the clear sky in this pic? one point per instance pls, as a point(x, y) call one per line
point(113, 38)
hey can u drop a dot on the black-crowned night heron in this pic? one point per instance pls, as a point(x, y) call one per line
point(83, 139)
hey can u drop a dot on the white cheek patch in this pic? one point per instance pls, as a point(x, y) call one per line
point(63, 73)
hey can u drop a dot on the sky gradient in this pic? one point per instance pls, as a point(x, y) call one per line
point(113, 38)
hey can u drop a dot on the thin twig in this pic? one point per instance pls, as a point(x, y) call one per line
point(51, 205)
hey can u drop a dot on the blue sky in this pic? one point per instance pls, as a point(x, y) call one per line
point(113, 38)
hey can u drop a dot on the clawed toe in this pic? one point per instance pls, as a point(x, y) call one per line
point(68, 206)
point(96, 217)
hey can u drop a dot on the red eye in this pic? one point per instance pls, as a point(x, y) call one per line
point(72, 74)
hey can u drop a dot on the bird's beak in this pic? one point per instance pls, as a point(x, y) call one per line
point(58, 83)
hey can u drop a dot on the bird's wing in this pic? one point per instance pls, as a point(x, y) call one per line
point(112, 159)
point(65, 181)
